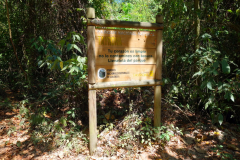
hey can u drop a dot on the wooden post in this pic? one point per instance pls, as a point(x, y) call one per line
point(123, 24)
point(91, 80)
point(158, 75)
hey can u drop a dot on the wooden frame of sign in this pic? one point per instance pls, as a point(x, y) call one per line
point(122, 58)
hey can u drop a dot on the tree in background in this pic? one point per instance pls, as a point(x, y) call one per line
point(50, 20)
point(210, 59)
point(129, 10)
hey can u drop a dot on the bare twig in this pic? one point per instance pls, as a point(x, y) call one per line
point(182, 112)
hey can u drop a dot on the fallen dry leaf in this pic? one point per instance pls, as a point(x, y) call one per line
point(207, 142)
point(2, 145)
point(8, 144)
point(232, 147)
point(61, 155)
point(216, 133)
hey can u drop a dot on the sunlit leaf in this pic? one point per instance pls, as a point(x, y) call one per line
point(41, 39)
point(77, 48)
point(69, 112)
point(74, 68)
point(209, 85)
point(73, 123)
point(77, 37)
point(206, 105)
point(198, 73)
point(61, 65)
point(64, 121)
point(231, 97)
point(64, 68)
point(220, 119)
point(206, 36)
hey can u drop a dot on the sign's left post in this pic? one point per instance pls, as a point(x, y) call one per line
point(91, 80)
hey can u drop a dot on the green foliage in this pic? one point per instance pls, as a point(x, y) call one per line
point(72, 140)
point(6, 104)
point(134, 10)
point(214, 84)
point(11, 130)
point(30, 20)
point(74, 68)
point(219, 151)
point(140, 129)
point(23, 110)
point(208, 77)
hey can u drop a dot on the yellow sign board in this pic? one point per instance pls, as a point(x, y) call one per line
point(124, 55)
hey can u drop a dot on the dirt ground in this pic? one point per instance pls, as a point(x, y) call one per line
point(200, 140)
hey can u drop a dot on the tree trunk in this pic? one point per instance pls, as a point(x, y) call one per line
point(196, 45)
point(30, 51)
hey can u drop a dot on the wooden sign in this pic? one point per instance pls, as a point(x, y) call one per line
point(122, 58)
point(124, 55)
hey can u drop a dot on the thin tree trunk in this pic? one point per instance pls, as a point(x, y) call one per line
point(10, 35)
point(196, 43)
point(31, 53)
point(197, 24)
point(197, 34)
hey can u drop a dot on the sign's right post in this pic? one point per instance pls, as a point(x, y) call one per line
point(158, 75)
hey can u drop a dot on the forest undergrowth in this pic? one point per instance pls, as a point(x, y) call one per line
point(125, 131)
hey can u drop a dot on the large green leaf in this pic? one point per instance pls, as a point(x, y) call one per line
point(231, 97)
point(204, 84)
point(227, 95)
point(69, 47)
point(65, 68)
point(209, 85)
point(61, 43)
point(77, 37)
point(220, 118)
point(206, 36)
point(225, 66)
point(74, 68)
point(199, 73)
point(207, 104)
point(77, 48)
point(215, 65)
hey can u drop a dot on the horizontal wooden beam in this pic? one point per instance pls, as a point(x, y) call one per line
point(119, 84)
point(123, 24)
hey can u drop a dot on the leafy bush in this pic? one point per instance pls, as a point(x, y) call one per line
point(74, 68)
point(208, 80)
point(139, 128)
point(218, 84)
